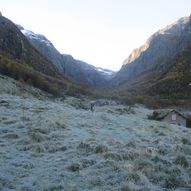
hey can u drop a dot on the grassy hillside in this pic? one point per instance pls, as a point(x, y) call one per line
point(51, 145)
point(24, 73)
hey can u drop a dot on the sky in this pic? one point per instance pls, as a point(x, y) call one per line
point(100, 32)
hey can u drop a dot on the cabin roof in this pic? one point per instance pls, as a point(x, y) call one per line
point(161, 114)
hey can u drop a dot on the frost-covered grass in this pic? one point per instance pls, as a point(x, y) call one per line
point(48, 145)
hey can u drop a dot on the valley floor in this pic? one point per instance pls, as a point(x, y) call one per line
point(50, 145)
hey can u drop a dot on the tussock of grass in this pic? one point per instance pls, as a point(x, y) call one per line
point(181, 160)
point(25, 188)
point(11, 136)
point(84, 147)
point(133, 177)
point(37, 134)
point(185, 141)
point(113, 156)
point(75, 167)
point(142, 163)
point(131, 144)
point(53, 148)
point(174, 182)
point(37, 137)
point(25, 165)
point(126, 188)
point(60, 125)
point(130, 155)
point(96, 181)
point(101, 149)
point(87, 163)
point(38, 148)
point(35, 129)
point(5, 183)
point(54, 188)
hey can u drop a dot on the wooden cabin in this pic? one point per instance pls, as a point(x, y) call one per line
point(171, 116)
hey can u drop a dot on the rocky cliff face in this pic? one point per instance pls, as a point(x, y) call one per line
point(44, 46)
point(74, 69)
point(154, 56)
point(14, 44)
point(175, 82)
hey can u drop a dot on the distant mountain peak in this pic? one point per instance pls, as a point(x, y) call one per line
point(73, 69)
point(177, 25)
point(172, 29)
point(154, 57)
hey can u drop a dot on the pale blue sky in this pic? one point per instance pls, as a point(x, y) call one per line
point(100, 32)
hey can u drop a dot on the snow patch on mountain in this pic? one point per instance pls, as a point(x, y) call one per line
point(107, 73)
point(31, 35)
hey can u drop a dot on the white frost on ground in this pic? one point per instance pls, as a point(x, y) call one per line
point(49, 145)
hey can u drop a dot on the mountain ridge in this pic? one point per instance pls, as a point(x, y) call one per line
point(146, 71)
point(20, 60)
point(156, 53)
point(76, 70)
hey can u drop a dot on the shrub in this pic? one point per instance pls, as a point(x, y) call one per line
point(101, 149)
point(26, 74)
point(73, 90)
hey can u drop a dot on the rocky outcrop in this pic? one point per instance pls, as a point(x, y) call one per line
point(80, 71)
point(44, 46)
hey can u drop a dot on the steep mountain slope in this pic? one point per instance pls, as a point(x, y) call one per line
point(72, 68)
point(20, 60)
point(154, 57)
point(14, 44)
point(174, 82)
point(44, 46)
point(80, 71)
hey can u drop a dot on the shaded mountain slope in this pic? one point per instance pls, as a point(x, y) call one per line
point(20, 60)
point(14, 43)
point(174, 82)
point(74, 69)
